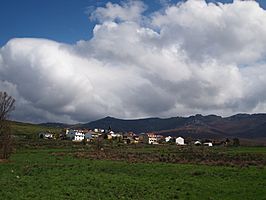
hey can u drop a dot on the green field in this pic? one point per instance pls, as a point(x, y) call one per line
point(44, 173)
point(28, 130)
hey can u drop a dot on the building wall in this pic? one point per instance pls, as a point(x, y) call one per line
point(79, 137)
point(180, 141)
point(167, 139)
point(153, 140)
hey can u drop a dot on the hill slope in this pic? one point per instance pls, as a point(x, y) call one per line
point(28, 129)
point(211, 126)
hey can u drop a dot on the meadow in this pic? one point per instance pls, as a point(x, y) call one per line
point(56, 172)
point(28, 130)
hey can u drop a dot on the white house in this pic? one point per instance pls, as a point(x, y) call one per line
point(168, 139)
point(152, 138)
point(180, 141)
point(197, 143)
point(79, 136)
point(98, 130)
point(75, 135)
point(209, 144)
point(115, 135)
point(46, 135)
point(149, 138)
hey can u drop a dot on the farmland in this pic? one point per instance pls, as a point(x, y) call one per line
point(76, 171)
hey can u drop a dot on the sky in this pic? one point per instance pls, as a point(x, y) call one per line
point(80, 60)
point(60, 20)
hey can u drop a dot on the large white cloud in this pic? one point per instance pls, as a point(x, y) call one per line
point(188, 58)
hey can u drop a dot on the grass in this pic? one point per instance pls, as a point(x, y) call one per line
point(243, 149)
point(47, 174)
point(30, 130)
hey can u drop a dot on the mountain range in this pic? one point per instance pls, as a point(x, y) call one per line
point(249, 126)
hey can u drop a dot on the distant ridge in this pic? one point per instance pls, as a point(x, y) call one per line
point(250, 126)
point(55, 125)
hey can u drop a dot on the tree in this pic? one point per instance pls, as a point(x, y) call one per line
point(236, 142)
point(7, 105)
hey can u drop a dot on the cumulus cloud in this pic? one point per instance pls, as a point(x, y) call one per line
point(128, 11)
point(191, 57)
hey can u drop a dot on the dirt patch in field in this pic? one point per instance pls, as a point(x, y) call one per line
point(58, 153)
point(208, 158)
point(3, 161)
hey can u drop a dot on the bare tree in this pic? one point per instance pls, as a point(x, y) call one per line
point(7, 105)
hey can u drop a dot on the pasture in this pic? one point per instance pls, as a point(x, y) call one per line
point(74, 172)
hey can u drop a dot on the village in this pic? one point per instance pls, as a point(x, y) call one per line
point(91, 135)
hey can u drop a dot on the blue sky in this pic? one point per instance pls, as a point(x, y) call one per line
point(60, 20)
